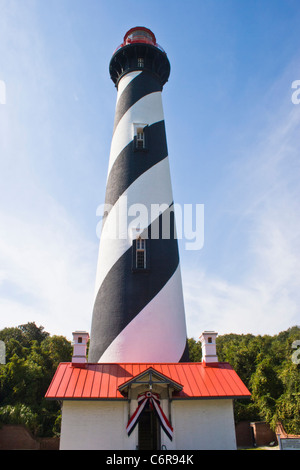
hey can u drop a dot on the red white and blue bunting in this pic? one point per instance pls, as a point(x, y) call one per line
point(153, 400)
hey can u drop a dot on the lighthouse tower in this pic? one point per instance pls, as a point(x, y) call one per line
point(137, 391)
point(138, 313)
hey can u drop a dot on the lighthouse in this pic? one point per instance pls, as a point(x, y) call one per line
point(138, 310)
point(137, 390)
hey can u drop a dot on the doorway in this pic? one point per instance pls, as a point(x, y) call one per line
point(149, 430)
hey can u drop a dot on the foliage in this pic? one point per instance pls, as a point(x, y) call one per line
point(195, 352)
point(287, 408)
point(264, 363)
point(19, 414)
point(32, 356)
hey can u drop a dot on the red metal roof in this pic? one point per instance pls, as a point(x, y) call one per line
point(101, 381)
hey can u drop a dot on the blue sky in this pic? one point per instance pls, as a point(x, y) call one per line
point(233, 138)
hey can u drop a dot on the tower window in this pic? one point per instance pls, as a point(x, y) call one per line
point(140, 253)
point(140, 62)
point(140, 138)
point(79, 339)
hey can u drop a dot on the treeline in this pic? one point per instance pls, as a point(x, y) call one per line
point(266, 364)
point(32, 356)
point(270, 367)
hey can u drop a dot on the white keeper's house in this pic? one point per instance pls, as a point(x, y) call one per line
point(187, 405)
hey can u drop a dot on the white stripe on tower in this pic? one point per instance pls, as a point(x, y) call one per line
point(151, 187)
point(150, 108)
point(138, 311)
point(126, 80)
point(161, 319)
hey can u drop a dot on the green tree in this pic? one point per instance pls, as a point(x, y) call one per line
point(56, 349)
point(264, 363)
point(195, 350)
point(33, 333)
point(32, 358)
point(19, 414)
point(266, 388)
point(287, 409)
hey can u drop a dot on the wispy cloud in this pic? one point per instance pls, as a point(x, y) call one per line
point(264, 296)
point(47, 270)
point(47, 265)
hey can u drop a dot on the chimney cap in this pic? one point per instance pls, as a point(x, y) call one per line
point(206, 334)
point(80, 334)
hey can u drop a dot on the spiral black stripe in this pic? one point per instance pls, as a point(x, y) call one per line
point(123, 292)
point(122, 296)
point(130, 165)
point(140, 86)
point(185, 355)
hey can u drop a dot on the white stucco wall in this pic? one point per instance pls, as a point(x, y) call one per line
point(94, 425)
point(203, 425)
point(198, 424)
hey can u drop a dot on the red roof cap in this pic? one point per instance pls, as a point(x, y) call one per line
point(139, 34)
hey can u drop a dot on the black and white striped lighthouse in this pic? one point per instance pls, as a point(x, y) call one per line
point(138, 312)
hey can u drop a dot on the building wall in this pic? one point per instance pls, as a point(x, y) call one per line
point(203, 425)
point(198, 424)
point(94, 425)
